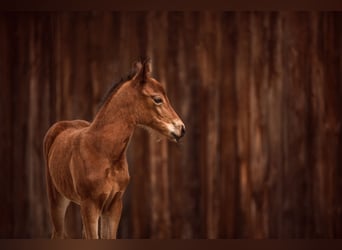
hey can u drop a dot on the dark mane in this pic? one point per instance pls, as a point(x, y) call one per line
point(114, 87)
point(143, 60)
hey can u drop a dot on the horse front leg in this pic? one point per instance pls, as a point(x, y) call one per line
point(90, 217)
point(111, 217)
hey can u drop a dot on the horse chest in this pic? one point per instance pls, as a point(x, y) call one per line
point(118, 178)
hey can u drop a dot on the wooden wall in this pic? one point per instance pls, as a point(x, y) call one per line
point(260, 94)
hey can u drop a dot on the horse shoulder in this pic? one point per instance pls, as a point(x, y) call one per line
point(97, 177)
point(87, 169)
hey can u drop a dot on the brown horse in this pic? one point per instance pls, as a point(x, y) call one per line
point(86, 162)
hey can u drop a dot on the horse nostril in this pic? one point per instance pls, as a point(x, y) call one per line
point(182, 131)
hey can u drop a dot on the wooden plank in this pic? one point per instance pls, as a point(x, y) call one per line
point(175, 53)
point(6, 145)
point(20, 89)
point(259, 167)
point(38, 91)
point(274, 120)
point(337, 214)
point(186, 89)
point(296, 199)
point(331, 128)
point(243, 120)
point(229, 179)
point(209, 33)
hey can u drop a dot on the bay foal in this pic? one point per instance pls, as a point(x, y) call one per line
point(86, 161)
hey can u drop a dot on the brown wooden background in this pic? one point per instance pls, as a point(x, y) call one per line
point(260, 94)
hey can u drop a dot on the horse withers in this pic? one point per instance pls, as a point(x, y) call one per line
point(86, 161)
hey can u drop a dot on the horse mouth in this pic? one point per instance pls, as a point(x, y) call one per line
point(175, 137)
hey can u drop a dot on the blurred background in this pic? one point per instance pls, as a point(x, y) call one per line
point(260, 94)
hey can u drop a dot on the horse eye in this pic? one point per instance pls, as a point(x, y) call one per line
point(157, 99)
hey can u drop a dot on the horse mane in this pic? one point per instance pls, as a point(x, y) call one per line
point(115, 86)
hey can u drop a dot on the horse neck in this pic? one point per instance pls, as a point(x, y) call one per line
point(115, 121)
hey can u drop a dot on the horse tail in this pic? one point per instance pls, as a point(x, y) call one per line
point(50, 137)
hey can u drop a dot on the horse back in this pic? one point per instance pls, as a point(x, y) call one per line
point(57, 128)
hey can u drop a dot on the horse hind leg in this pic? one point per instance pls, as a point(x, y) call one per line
point(58, 210)
point(58, 205)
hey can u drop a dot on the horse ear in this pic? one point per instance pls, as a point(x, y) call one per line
point(142, 69)
point(137, 66)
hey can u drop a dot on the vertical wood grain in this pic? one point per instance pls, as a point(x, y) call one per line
point(259, 92)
